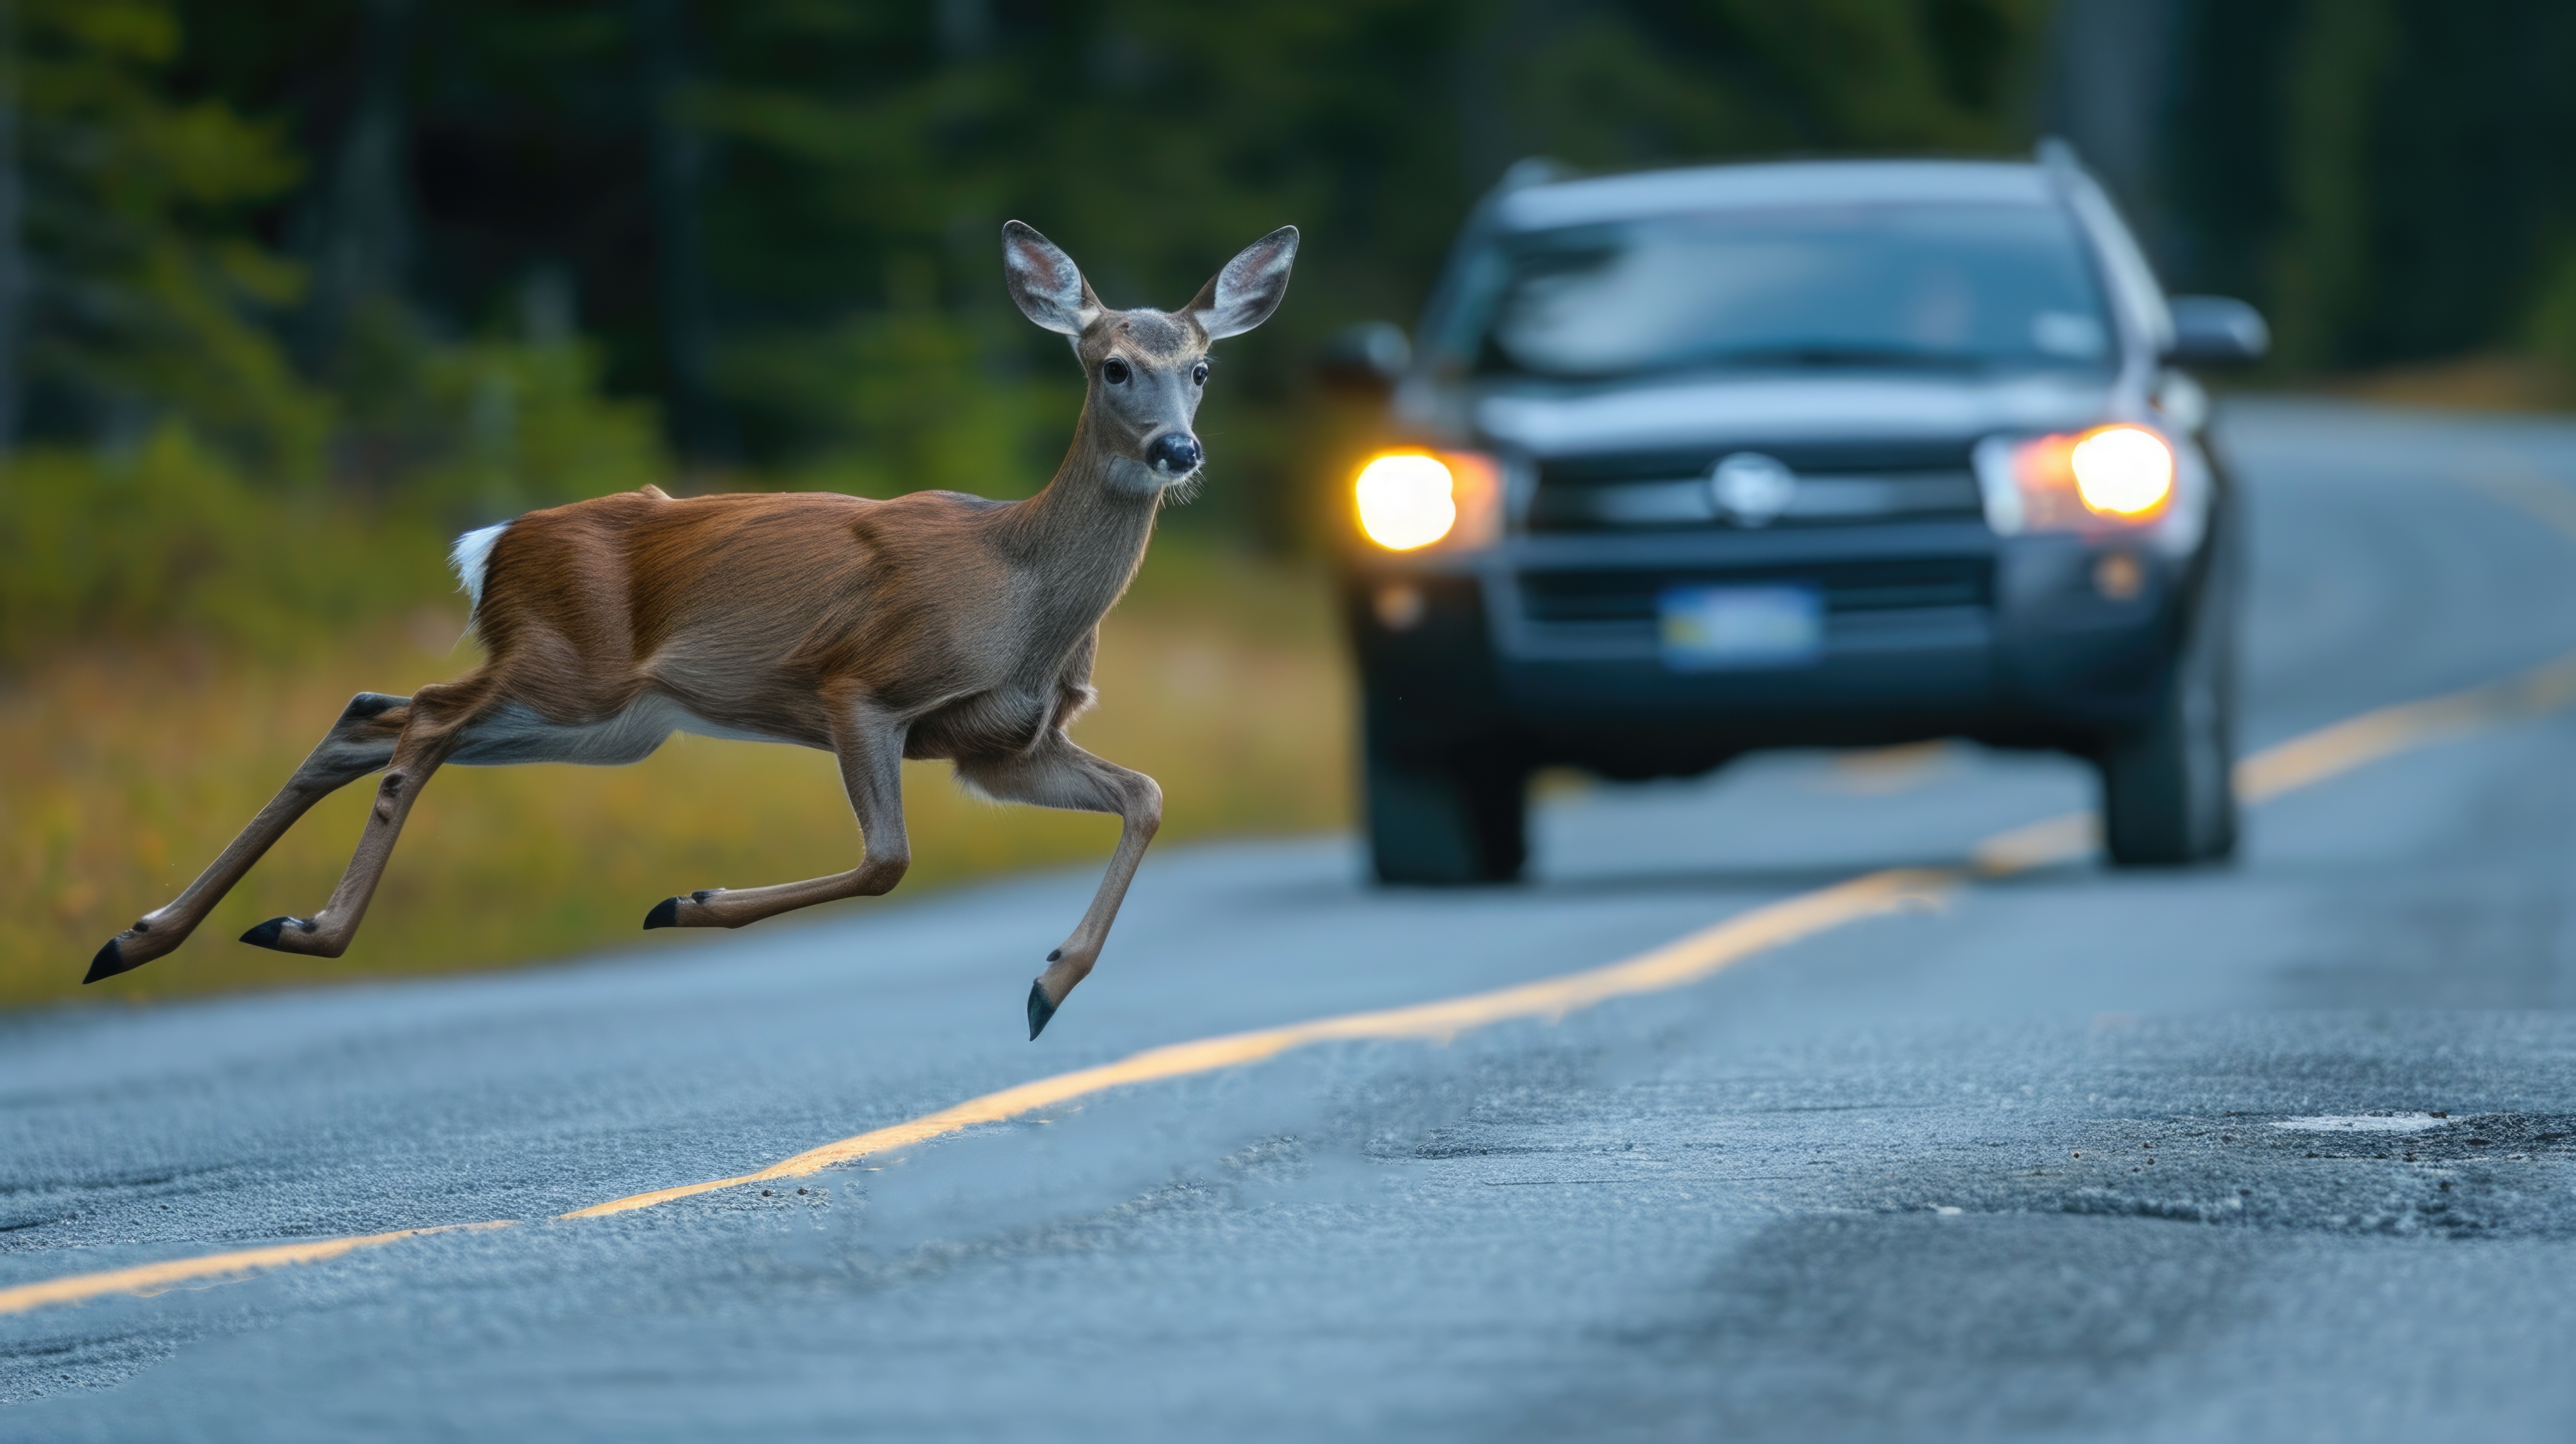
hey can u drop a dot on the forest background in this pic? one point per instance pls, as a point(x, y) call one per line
point(292, 293)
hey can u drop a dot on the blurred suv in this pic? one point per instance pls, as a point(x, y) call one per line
point(1699, 461)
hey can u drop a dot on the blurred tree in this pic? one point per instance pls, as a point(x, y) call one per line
point(2387, 177)
point(121, 220)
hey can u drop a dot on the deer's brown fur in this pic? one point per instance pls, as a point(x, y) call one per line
point(935, 625)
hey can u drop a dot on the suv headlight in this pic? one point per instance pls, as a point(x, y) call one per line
point(2110, 477)
point(1410, 499)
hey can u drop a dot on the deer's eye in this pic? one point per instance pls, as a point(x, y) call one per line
point(1114, 371)
point(1198, 373)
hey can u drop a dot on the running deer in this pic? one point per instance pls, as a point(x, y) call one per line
point(935, 625)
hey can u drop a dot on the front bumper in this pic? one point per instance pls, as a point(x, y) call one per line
point(1548, 645)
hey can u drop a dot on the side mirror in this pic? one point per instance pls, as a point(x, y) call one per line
point(1367, 359)
point(2217, 331)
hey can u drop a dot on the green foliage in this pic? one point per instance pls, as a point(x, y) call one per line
point(911, 398)
point(2387, 178)
point(172, 540)
point(527, 426)
point(145, 295)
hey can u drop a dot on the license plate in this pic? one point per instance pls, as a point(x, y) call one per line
point(1715, 629)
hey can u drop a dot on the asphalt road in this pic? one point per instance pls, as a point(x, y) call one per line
point(2074, 1156)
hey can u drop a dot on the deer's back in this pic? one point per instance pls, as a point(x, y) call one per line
point(745, 609)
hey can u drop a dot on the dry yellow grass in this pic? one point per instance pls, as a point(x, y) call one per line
point(123, 772)
point(2489, 381)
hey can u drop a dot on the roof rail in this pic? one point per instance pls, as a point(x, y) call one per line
point(1534, 170)
point(2055, 153)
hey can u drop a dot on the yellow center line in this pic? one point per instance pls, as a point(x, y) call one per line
point(155, 1278)
point(1676, 963)
point(2299, 762)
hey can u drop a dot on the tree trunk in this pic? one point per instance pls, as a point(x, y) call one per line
point(13, 257)
point(363, 251)
point(679, 183)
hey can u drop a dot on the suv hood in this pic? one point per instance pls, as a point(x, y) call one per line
point(1547, 421)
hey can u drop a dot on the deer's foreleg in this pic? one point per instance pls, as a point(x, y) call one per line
point(869, 744)
point(361, 741)
point(436, 725)
point(1058, 774)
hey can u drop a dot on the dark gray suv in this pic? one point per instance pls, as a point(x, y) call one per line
point(1844, 453)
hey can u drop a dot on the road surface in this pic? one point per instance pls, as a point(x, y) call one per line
point(2280, 1151)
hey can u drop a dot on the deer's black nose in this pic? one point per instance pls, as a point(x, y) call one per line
point(1174, 453)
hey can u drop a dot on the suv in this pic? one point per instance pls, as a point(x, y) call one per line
point(1810, 454)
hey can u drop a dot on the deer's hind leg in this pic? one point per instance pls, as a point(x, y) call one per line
point(868, 743)
point(1055, 773)
point(361, 741)
point(435, 727)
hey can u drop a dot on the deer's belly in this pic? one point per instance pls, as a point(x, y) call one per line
point(515, 734)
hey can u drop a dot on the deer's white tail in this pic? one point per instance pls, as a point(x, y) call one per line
point(473, 552)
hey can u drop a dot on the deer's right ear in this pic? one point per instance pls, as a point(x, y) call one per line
point(1045, 282)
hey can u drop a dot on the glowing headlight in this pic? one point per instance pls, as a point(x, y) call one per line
point(2111, 476)
point(1410, 499)
point(2122, 471)
point(1407, 499)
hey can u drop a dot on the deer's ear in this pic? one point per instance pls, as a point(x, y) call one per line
point(1045, 282)
point(1250, 287)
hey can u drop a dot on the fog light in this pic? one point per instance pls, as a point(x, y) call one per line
point(1399, 606)
point(2123, 471)
point(1406, 500)
point(2119, 577)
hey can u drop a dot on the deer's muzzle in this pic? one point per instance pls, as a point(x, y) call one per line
point(1174, 453)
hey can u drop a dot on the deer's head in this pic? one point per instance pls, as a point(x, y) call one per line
point(1147, 368)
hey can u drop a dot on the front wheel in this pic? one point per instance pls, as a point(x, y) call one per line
point(1446, 821)
point(2168, 784)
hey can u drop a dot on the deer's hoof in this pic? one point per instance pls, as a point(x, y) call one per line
point(109, 962)
point(266, 935)
point(1039, 1010)
point(665, 914)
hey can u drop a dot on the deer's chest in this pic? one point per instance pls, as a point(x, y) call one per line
point(1009, 717)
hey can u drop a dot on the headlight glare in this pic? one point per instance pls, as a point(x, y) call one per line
point(1411, 498)
point(2122, 471)
point(2116, 476)
point(1407, 499)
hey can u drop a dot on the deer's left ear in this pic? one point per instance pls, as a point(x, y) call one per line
point(1250, 287)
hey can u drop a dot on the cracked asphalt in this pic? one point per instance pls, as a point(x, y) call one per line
point(2280, 1151)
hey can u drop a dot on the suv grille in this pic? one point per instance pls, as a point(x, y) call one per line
point(1837, 485)
point(1629, 596)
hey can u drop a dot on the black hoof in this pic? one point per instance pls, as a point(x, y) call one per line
point(109, 962)
point(265, 935)
point(1039, 1010)
point(665, 914)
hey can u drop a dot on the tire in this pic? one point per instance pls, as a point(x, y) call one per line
point(1452, 822)
point(2168, 784)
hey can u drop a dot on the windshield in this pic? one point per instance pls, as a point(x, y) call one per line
point(1872, 286)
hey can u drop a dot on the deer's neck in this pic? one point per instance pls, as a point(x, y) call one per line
point(1085, 534)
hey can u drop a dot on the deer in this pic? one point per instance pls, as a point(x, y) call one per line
point(932, 625)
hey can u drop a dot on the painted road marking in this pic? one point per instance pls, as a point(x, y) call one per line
point(2299, 762)
point(1673, 965)
point(148, 1279)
